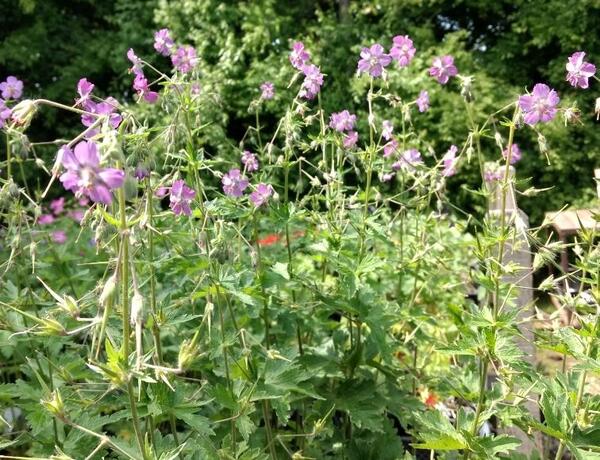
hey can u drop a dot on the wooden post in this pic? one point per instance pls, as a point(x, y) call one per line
point(517, 251)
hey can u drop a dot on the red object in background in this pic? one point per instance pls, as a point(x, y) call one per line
point(269, 240)
point(432, 400)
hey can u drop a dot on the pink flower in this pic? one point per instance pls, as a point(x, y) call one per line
point(423, 101)
point(350, 140)
point(181, 196)
point(299, 56)
point(84, 88)
point(443, 68)
point(234, 183)
point(140, 84)
point(84, 176)
point(373, 60)
point(387, 130)
point(540, 105)
point(58, 206)
point(390, 148)
point(59, 236)
point(185, 59)
point(313, 80)
point(515, 153)
point(261, 194)
point(107, 107)
point(5, 113)
point(76, 215)
point(163, 43)
point(267, 90)
point(45, 219)
point(250, 161)
point(136, 68)
point(402, 50)
point(386, 177)
point(342, 121)
point(579, 71)
point(409, 160)
point(450, 161)
point(12, 88)
point(491, 175)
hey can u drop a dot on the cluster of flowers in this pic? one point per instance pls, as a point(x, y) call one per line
point(57, 210)
point(11, 88)
point(343, 122)
point(313, 78)
point(184, 59)
point(235, 182)
point(107, 107)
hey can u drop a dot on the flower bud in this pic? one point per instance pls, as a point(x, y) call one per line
point(187, 353)
point(23, 113)
point(466, 88)
point(499, 140)
point(597, 108)
point(54, 404)
point(571, 115)
point(109, 289)
point(137, 308)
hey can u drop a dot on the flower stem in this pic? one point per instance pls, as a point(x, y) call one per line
point(124, 278)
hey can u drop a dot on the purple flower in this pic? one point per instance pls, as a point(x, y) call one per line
point(261, 194)
point(449, 161)
point(250, 161)
point(373, 60)
point(141, 172)
point(234, 183)
point(387, 130)
point(386, 177)
point(12, 88)
point(45, 219)
point(408, 160)
point(313, 80)
point(140, 84)
point(59, 237)
point(163, 43)
point(85, 177)
point(579, 71)
point(342, 121)
point(5, 113)
point(515, 153)
point(84, 88)
point(491, 175)
point(443, 68)
point(107, 107)
point(136, 68)
point(540, 105)
point(299, 56)
point(350, 140)
point(267, 90)
point(390, 148)
point(423, 101)
point(195, 88)
point(57, 206)
point(181, 196)
point(76, 215)
point(185, 58)
point(402, 50)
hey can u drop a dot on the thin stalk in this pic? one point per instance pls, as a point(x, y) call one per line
point(484, 364)
point(8, 158)
point(124, 279)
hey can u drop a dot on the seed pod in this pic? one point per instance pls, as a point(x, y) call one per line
point(109, 289)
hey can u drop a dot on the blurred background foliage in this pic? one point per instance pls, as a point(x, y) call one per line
point(506, 45)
